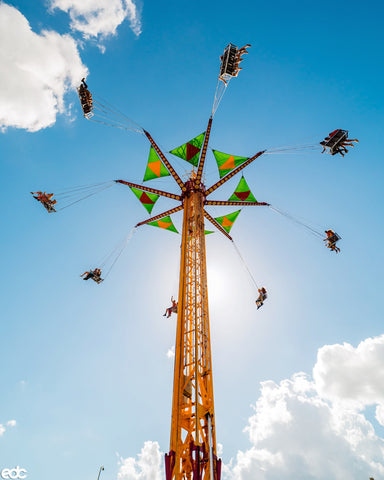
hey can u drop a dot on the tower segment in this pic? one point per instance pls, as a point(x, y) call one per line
point(192, 453)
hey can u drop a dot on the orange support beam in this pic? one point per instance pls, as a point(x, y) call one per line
point(217, 225)
point(150, 190)
point(229, 203)
point(161, 215)
point(170, 169)
point(203, 153)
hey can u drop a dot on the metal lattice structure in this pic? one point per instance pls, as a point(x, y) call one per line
point(192, 454)
point(193, 437)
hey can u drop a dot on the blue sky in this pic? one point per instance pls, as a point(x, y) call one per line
point(85, 373)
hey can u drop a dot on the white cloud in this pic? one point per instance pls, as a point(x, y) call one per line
point(99, 17)
point(36, 70)
point(10, 423)
point(146, 467)
point(304, 427)
point(352, 375)
point(296, 433)
point(380, 414)
point(171, 352)
point(316, 428)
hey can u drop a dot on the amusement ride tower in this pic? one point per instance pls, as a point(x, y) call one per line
point(192, 454)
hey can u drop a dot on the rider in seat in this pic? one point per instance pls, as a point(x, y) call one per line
point(85, 99)
point(94, 274)
point(337, 141)
point(262, 296)
point(45, 199)
point(332, 239)
point(171, 309)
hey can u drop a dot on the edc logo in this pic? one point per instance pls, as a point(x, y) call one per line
point(13, 473)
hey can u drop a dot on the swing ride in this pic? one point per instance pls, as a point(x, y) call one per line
point(192, 453)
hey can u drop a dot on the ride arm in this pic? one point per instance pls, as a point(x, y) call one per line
point(217, 225)
point(158, 217)
point(203, 153)
point(150, 190)
point(234, 172)
point(245, 204)
point(170, 169)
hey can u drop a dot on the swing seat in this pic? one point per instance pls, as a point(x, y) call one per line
point(229, 61)
point(86, 101)
point(87, 111)
point(335, 238)
point(336, 140)
point(97, 279)
point(48, 207)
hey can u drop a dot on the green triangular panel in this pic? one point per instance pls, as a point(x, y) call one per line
point(165, 223)
point(227, 221)
point(207, 232)
point(190, 151)
point(226, 162)
point(242, 193)
point(147, 199)
point(155, 167)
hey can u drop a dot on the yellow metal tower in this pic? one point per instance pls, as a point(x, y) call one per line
point(193, 438)
point(192, 454)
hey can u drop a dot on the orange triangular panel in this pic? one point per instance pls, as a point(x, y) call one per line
point(226, 222)
point(229, 164)
point(164, 224)
point(155, 167)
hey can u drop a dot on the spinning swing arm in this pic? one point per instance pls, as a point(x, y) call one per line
point(150, 190)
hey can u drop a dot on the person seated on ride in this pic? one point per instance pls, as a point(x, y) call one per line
point(42, 196)
point(97, 278)
point(339, 149)
point(343, 144)
point(87, 275)
point(332, 239)
point(262, 296)
point(83, 89)
point(333, 141)
point(49, 200)
point(45, 198)
point(171, 309)
point(85, 97)
point(337, 141)
point(94, 274)
point(332, 134)
point(38, 195)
